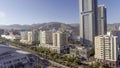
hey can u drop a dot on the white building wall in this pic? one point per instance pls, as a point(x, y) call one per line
point(106, 47)
point(45, 37)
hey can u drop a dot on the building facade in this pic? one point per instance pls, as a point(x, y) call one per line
point(88, 21)
point(60, 39)
point(24, 37)
point(81, 52)
point(29, 37)
point(102, 20)
point(11, 57)
point(60, 42)
point(45, 37)
point(115, 33)
point(106, 50)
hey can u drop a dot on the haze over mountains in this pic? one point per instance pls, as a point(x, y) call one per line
point(53, 26)
point(43, 26)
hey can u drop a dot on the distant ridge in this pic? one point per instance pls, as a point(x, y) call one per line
point(44, 26)
point(54, 26)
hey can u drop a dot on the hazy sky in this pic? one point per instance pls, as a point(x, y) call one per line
point(40, 11)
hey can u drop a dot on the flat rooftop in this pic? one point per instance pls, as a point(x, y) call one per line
point(6, 49)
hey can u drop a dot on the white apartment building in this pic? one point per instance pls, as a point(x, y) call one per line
point(115, 33)
point(29, 37)
point(60, 41)
point(56, 41)
point(24, 37)
point(106, 50)
point(45, 37)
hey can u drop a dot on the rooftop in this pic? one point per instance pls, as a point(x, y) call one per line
point(5, 49)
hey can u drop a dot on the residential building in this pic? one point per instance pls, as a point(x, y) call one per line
point(36, 36)
point(45, 37)
point(102, 20)
point(55, 41)
point(24, 37)
point(60, 41)
point(88, 21)
point(107, 50)
point(30, 37)
point(115, 33)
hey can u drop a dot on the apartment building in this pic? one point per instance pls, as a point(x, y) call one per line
point(107, 50)
point(60, 42)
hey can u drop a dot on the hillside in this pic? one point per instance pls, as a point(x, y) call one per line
point(54, 26)
point(44, 26)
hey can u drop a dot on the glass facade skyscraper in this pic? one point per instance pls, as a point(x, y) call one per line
point(88, 21)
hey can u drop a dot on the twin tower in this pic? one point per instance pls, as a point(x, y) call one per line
point(92, 21)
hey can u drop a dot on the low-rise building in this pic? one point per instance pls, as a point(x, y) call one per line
point(13, 36)
point(81, 51)
point(11, 57)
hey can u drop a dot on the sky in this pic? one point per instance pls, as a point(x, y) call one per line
point(42, 11)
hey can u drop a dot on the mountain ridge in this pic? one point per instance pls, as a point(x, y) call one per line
point(54, 26)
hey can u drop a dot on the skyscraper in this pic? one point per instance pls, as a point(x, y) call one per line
point(102, 22)
point(88, 21)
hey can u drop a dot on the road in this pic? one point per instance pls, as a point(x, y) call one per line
point(55, 64)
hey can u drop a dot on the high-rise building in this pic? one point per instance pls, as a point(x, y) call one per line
point(60, 41)
point(106, 50)
point(35, 33)
point(45, 37)
point(32, 37)
point(115, 33)
point(102, 22)
point(29, 37)
point(88, 21)
point(24, 37)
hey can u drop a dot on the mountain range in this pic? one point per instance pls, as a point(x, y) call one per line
point(54, 26)
point(44, 26)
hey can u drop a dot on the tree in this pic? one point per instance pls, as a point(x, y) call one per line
point(96, 65)
point(76, 62)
